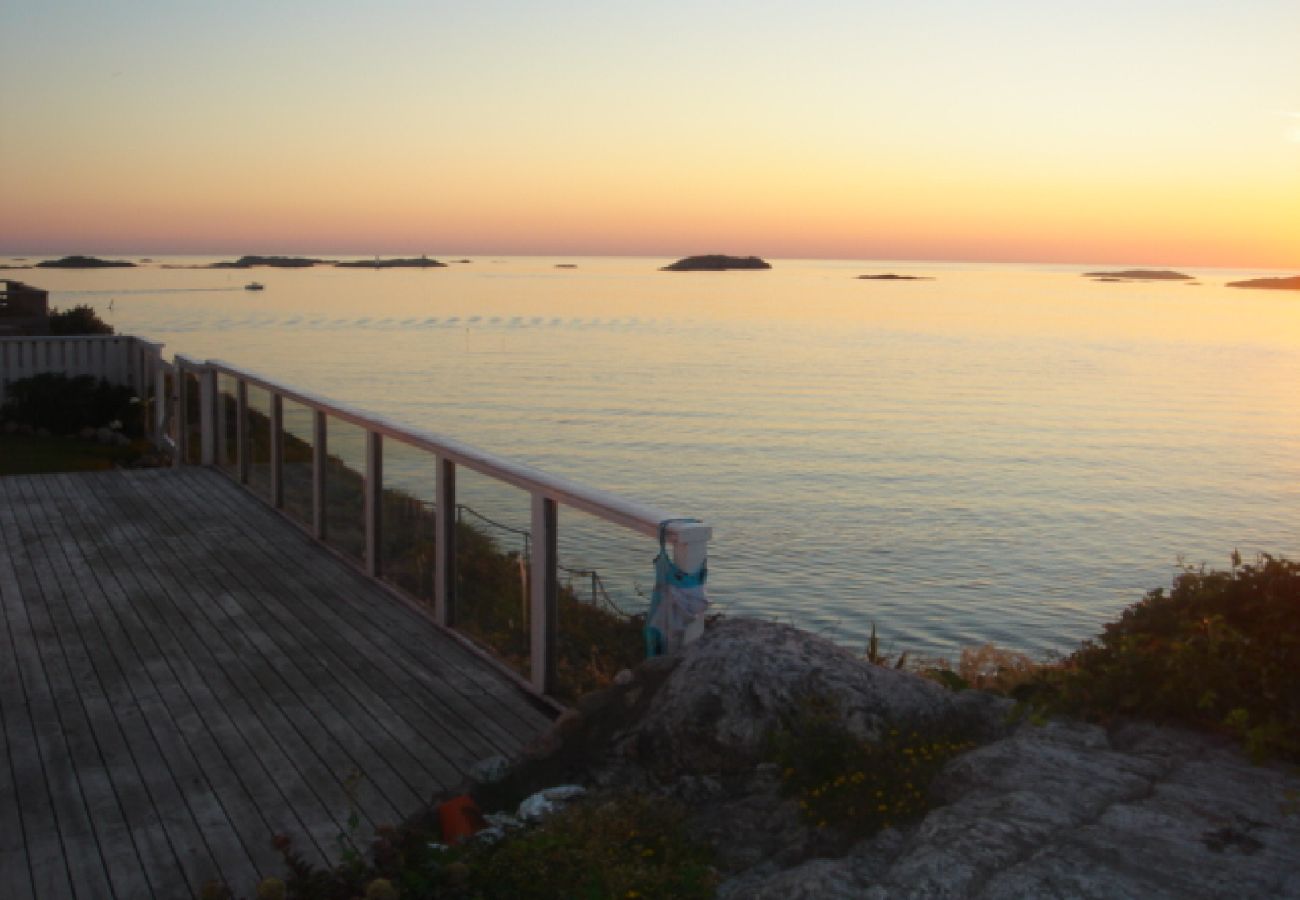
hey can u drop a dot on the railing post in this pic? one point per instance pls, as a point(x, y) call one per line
point(690, 550)
point(318, 458)
point(207, 416)
point(241, 429)
point(180, 415)
point(277, 451)
point(544, 589)
point(374, 500)
point(444, 554)
point(691, 545)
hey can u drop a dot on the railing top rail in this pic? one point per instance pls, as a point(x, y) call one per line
point(617, 510)
point(54, 338)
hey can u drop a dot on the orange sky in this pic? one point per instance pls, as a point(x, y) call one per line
point(1011, 132)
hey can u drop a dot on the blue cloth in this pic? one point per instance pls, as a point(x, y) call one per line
point(678, 598)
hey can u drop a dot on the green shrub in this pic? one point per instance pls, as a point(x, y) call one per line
point(624, 847)
point(854, 785)
point(78, 320)
point(65, 405)
point(1220, 651)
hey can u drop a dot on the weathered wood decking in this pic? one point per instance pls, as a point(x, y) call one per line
point(183, 674)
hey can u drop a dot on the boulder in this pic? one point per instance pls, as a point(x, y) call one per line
point(746, 678)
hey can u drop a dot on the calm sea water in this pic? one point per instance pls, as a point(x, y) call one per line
point(1002, 453)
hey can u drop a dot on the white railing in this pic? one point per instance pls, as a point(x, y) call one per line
point(162, 386)
point(120, 359)
point(547, 492)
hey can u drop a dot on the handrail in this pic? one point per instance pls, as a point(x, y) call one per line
point(689, 538)
point(616, 510)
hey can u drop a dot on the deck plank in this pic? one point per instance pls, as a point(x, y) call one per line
point(184, 673)
point(298, 656)
point(251, 798)
point(393, 670)
point(77, 693)
point(506, 718)
point(63, 850)
point(300, 721)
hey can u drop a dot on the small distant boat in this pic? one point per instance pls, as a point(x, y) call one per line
point(254, 286)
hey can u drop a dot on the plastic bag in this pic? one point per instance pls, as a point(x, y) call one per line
point(679, 599)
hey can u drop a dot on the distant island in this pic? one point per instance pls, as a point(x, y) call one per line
point(422, 262)
point(278, 262)
point(566, 265)
point(84, 262)
point(1270, 284)
point(1139, 275)
point(890, 276)
point(716, 263)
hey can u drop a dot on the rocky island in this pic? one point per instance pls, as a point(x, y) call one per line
point(84, 262)
point(890, 276)
point(1139, 275)
point(716, 262)
point(277, 262)
point(1269, 284)
point(422, 262)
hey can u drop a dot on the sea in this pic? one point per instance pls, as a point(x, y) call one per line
point(988, 453)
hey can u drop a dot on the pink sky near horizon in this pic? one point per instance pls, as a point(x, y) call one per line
point(859, 131)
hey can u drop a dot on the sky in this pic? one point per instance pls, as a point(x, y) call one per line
point(1141, 131)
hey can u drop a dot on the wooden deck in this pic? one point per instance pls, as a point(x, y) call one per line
point(184, 674)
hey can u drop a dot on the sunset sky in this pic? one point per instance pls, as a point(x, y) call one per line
point(1141, 131)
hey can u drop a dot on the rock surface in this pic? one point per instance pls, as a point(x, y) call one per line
point(1069, 810)
point(1058, 810)
point(716, 262)
point(746, 678)
point(890, 276)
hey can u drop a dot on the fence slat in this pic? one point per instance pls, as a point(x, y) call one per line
point(318, 459)
point(241, 430)
point(277, 451)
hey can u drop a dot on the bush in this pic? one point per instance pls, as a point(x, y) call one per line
point(1220, 651)
point(78, 320)
point(854, 785)
point(625, 846)
point(65, 405)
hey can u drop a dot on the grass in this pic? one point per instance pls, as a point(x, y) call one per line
point(30, 454)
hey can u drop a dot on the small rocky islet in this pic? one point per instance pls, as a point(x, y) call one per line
point(1139, 275)
point(84, 262)
point(422, 262)
point(716, 262)
point(1269, 284)
point(890, 276)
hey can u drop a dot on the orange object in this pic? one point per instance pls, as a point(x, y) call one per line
point(459, 818)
